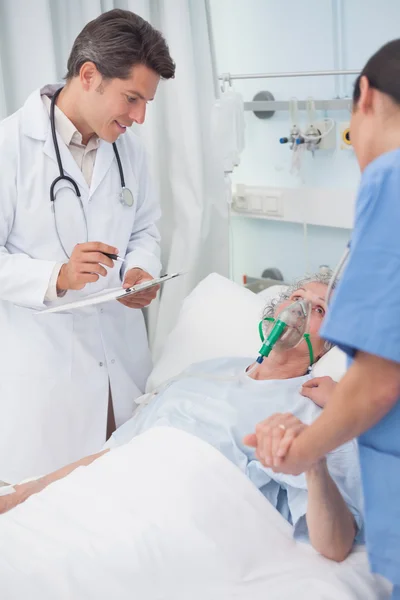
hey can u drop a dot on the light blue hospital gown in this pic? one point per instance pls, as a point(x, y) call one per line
point(365, 315)
point(222, 412)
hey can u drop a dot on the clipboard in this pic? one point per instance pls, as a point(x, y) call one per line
point(110, 294)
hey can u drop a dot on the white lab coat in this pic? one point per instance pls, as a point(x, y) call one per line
point(55, 369)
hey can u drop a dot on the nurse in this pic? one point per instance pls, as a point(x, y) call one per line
point(74, 187)
point(364, 320)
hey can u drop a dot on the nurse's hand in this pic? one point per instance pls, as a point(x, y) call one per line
point(85, 266)
point(319, 390)
point(274, 437)
point(141, 299)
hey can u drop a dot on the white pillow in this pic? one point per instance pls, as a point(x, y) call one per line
point(220, 318)
point(270, 292)
point(333, 363)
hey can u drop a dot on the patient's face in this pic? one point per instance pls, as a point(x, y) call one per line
point(315, 292)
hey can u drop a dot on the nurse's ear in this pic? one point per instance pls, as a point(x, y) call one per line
point(367, 100)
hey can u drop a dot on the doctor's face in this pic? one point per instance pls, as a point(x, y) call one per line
point(115, 104)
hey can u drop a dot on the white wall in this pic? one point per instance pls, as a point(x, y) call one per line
point(287, 35)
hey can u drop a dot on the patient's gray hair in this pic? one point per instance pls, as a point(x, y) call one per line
point(324, 277)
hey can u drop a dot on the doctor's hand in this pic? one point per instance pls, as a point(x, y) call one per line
point(273, 439)
point(141, 299)
point(319, 390)
point(85, 266)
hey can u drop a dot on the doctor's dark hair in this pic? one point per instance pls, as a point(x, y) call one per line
point(383, 72)
point(115, 42)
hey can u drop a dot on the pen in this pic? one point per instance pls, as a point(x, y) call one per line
point(113, 256)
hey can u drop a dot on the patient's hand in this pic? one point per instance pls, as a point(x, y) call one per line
point(319, 390)
point(273, 438)
point(22, 492)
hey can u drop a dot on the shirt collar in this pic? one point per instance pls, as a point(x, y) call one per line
point(66, 129)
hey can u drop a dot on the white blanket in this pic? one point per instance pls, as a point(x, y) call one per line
point(165, 517)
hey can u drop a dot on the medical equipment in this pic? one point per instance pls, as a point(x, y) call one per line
point(125, 196)
point(287, 330)
point(295, 138)
point(314, 134)
point(283, 333)
point(228, 128)
point(345, 136)
point(264, 96)
point(261, 105)
point(269, 277)
point(337, 274)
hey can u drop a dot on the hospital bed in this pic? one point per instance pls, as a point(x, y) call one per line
point(166, 516)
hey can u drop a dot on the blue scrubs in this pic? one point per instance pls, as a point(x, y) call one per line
point(365, 315)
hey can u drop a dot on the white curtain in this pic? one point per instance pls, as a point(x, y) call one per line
point(195, 226)
point(35, 40)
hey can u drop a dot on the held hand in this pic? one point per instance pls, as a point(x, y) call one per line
point(273, 439)
point(85, 266)
point(319, 390)
point(141, 299)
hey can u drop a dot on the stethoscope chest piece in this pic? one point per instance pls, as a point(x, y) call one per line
point(126, 197)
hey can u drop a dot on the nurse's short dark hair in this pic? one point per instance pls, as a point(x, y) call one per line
point(383, 72)
point(117, 41)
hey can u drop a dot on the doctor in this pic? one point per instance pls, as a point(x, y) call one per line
point(63, 377)
point(364, 320)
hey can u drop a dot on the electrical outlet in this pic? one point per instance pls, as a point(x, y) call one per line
point(344, 132)
point(327, 127)
point(240, 203)
point(258, 200)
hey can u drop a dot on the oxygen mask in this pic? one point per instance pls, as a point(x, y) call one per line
point(287, 330)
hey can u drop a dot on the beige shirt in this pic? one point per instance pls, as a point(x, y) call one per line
point(84, 157)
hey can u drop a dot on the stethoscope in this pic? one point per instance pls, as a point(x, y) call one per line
point(125, 196)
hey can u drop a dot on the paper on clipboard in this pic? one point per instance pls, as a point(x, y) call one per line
point(110, 294)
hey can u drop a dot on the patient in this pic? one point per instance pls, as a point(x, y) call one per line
point(219, 403)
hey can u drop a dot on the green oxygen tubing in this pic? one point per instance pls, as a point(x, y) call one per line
point(287, 330)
